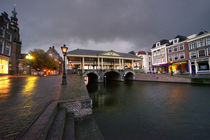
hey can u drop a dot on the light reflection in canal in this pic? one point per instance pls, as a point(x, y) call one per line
point(30, 85)
point(149, 110)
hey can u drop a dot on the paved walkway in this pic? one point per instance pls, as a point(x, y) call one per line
point(23, 98)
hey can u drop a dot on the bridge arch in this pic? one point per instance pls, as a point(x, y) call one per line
point(129, 75)
point(112, 75)
point(91, 77)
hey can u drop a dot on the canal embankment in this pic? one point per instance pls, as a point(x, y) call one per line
point(68, 117)
point(172, 79)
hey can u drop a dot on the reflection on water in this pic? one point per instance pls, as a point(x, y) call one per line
point(147, 110)
point(30, 85)
point(4, 87)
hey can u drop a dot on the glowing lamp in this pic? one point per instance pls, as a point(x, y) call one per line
point(64, 49)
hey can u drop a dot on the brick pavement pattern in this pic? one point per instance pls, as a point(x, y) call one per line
point(24, 98)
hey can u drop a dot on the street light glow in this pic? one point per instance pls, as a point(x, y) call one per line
point(28, 56)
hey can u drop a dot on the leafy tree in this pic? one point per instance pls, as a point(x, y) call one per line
point(41, 60)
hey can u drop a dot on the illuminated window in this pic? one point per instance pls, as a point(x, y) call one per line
point(8, 50)
point(3, 66)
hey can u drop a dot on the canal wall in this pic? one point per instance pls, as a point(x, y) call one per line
point(161, 78)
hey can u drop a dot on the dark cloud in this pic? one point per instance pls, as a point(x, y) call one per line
point(122, 25)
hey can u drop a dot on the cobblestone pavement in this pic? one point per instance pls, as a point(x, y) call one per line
point(23, 98)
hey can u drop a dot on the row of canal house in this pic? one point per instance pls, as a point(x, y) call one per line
point(188, 55)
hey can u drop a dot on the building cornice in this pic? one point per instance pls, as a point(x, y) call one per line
point(198, 37)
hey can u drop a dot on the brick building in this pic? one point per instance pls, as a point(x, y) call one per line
point(56, 56)
point(178, 55)
point(10, 44)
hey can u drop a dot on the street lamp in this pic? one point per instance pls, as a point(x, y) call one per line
point(29, 58)
point(64, 50)
point(171, 68)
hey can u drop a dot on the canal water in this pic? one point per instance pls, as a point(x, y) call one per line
point(151, 110)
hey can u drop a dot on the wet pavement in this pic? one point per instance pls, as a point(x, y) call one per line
point(23, 98)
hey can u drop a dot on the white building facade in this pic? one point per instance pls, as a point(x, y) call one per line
point(146, 60)
point(159, 57)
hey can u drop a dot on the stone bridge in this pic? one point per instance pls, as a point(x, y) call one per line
point(109, 74)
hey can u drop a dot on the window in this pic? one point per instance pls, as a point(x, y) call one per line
point(175, 56)
point(208, 51)
point(8, 50)
point(158, 52)
point(162, 51)
point(1, 47)
point(169, 50)
point(191, 45)
point(181, 55)
point(175, 48)
point(157, 44)
point(175, 40)
point(154, 53)
point(201, 53)
point(8, 36)
point(1, 32)
point(203, 65)
point(170, 58)
point(200, 43)
point(181, 47)
point(193, 54)
point(208, 41)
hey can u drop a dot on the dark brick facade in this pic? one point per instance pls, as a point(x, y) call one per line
point(10, 40)
point(54, 54)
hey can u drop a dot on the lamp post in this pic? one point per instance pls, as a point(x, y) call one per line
point(64, 50)
point(171, 68)
point(29, 58)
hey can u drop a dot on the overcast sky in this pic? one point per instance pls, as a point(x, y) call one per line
point(120, 25)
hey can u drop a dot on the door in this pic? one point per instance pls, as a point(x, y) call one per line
point(193, 69)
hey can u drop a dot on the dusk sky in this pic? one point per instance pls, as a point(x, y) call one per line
point(120, 25)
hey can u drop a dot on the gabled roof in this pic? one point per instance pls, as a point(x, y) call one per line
point(163, 41)
point(98, 52)
point(181, 38)
point(202, 32)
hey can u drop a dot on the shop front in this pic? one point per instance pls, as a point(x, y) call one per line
point(160, 68)
point(178, 67)
point(4, 61)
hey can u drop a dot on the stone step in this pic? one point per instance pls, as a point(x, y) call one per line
point(69, 131)
point(57, 128)
point(39, 129)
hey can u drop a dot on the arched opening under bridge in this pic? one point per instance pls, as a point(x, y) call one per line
point(92, 78)
point(111, 76)
point(129, 76)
